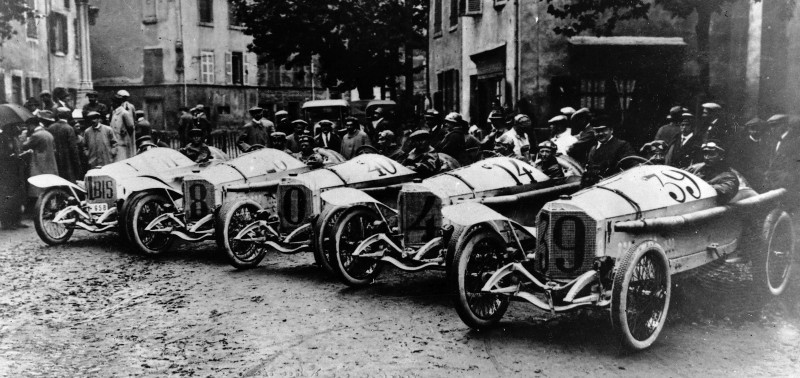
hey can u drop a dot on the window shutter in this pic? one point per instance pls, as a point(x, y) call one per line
point(64, 34)
point(51, 32)
point(473, 7)
point(228, 68)
point(246, 73)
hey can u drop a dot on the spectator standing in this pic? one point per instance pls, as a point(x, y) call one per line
point(561, 133)
point(497, 122)
point(454, 143)
point(185, 123)
point(282, 123)
point(299, 127)
point(123, 125)
point(581, 124)
point(42, 146)
point(12, 171)
point(95, 106)
point(66, 146)
point(255, 132)
point(668, 132)
point(714, 124)
point(608, 150)
point(685, 147)
point(752, 151)
point(33, 105)
point(327, 138)
point(782, 171)
point(61, 100)
point(124, 96)
point(201, 121)
point(101, 144)
point(354, 138)
point(380, 122)
point(46, 101)
point(433, 123)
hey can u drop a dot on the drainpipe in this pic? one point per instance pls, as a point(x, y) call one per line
point(180, 31)
point(518, 58)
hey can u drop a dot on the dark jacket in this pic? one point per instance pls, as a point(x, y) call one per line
point(782, 170)
point(425, 163)
point(682, 156)
point(253, 133)
point(606, 157)
point(586, 141)
point(721, 178)
point(751, 159)
point(551, 168)
point(334, 141)
point(453, 144)
point(66, 151)
point(668, 132)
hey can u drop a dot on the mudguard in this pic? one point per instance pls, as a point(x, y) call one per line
point(142, 183)
point(50, 181)
point(471, 214)
point(343, 197)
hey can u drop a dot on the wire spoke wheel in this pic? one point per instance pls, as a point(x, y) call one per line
point(480, 257)
point(47, 207)
point(353, 228)
point(641, 294)
point(772, 266)
point(144, 210)
point(232, 219)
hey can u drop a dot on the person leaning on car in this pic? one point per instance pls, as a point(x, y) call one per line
point(716, 171)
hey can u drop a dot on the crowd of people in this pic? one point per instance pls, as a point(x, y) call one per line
point(56, 143)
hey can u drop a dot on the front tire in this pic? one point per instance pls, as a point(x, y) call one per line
point(773, 262)
point(47, 206)
point(354, 226)
point(472, 266)
point(641, 294)
point(139, 214)
point(232, 218)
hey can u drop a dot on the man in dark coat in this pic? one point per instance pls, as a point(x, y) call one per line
point(453, 143)
point(433, 123)
point(197, 150)
point(716, 171)
point(715, 126)
point(293, 140)
point(423, 159)
point(752, 151)
point(185, 123)
point(668, 132)
point(41, 144)
point(581, 124)
point(201, 121)
point(354, 139)
point(387, 145)
point(608, 151)
point(94, 106)
point(782, 171)
point(327, 138)
point(13, 173)
point(254, 132)
point(685, 147)
point(66, 147)
point(546, 160)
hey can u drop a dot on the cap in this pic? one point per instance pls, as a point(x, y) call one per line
point(777, 118)
point(687, 115)
point(63, 110)
point(93, 115)
point(123, 93)
point(92, 93)
point(255, 109)
point(454, 118)
point(300, 122)
point(420, 134)
point(45, 92)
point(325, 122)
point(711, 106)
point(558, 118)
point(711, 145)
point(195, 132)
point(582, 112)
point(350, 121)
point(278, 135)
point(548, 144)
point(143, 138)
point(496, 114)
point(281, 113)
point(305, 139)
point(45, 115)
point(432, 113)
point(386, 134)
point(755, 122)
point(567, 111)
point(654, 145)
point(522, 119)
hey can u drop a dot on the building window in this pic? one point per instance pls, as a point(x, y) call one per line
point(2, 88)
point(453, 13)
point(437, 17)
point(16, 89)
point(34, 86)
point(66, 4)
point(272, 75)
point(593, 94)
point(237, 63)
point(30, 21)
point(206, 11)
point(59, 44)
point(287, 77)
point(448, 85)
point(149, 11)
point(472, 7)
point(153, 66)
point(233, 18)
point(207, 67)
point(77, 38)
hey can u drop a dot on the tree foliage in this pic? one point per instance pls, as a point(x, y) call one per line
point(11, 10)
point(357, 41)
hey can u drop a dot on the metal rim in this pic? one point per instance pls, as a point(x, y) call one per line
point(349, 236)
point(148, 211)
point(779, 257)
point(646, 296)
point(483, 261)
point(54, 201)
point(240, 218)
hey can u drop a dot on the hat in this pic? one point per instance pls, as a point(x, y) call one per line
point(777, 119)
point(195, 132)
point(92, 93)
point(386, 134)
point(567, 111)
point(93, 115)
point(687, 115)
point(63, 110)
point(711, 106)
point(548, 144)
point(454, 118)
point(420, 134)
point(558, 118)
point(144, 138)
point(281, 113)
point(278, 135)
point(755, 122)
point(581, 113)
point(432, 113)
point(300, 122)
point(325, 122)
point(350, 121)
point(45, 115)
point(675, 112)
point(654, 145)
point(123, 93)
point(305, 139)
point(711, 145)
point(496, 114)
point(522, 119)
point(255, 109)
point(45, 92)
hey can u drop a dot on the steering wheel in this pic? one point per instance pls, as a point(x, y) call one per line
point(366, 149)
point(631, 161)
point(254, 147)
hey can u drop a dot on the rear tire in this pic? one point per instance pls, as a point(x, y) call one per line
point(473, 264)
point(47, 206)
point(640, 297)
point(232, 218)
point(323, 235)
point(124, 217)
point(140, 213)
point(352, 228)
point(774, 260)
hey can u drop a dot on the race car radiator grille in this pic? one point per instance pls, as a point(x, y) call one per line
point(295, 206)
point(101, 189)
point(566, 243)
point(420, 216)
point(198, 199)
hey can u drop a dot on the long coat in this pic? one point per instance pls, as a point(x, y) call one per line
point(683, 156)
point(66, 150)
point(782, 171)
point(100, 145)
point(44, 158)
point(12, 171)
point(123, 125)
point(607, 155)
point(334, 142)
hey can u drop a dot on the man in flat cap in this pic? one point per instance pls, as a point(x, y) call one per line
point(752, 152)
point(519, 134)
point(278, 140)
point(354, 138)
point(685, 147)
point(422, 158)
point(453, 143)
point(608, 151)
point(42, 146)
point(433, 123)
point(499, 126)
point(715, 126)
point(716, 171)
point(201, 121)
point(561, 133)
point(293, 140)
point(546, 160)
point(327, 138)
point(668, 132)
point(66, 146)
point(255, 132)
point(197, 149)
point(101, 144)
point(307, 154)
point(282, 123)
point(655, 152)
point(387, 145)
point(46, 101)
point(94, 106)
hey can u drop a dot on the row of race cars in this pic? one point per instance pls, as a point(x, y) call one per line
point(500, 229)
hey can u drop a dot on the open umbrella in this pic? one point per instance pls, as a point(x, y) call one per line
point(13, 113)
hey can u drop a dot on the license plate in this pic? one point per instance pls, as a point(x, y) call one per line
point(98, 207)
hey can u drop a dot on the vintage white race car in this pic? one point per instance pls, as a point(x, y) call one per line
point(98, 203)
point(615, 246)
point(289, 226)
point(197, 211)
point(422, 233)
